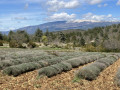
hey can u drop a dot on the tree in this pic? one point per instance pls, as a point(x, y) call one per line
point(45, 40)
point(47, 33)
point(10, 35)
point(1, 36)
point(16, 39)
point(82, 42)
point(38, 35)
point(106, 36)
point(62, 37)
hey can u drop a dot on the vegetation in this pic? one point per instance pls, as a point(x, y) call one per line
point(32, 44)
point(43, 61)
point(98, 39)
point(91, 71)
point(67, 65)
point(117, 78)
point(1, 43)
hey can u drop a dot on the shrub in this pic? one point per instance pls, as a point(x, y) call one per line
point(1, 43)
point(55, 69)
point(107, 61)
point(91, 48)
point(32, 45)
point(43, 61)
point(14, 44)
point(117, 77)
point(76, 62)
point(48, 71)
point(7, 63)
point(55, 46)
point(19, 69)
point(25, 67)
point(66, 66)
point(91, 71)
point(101, 66)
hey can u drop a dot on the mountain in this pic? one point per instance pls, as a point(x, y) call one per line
point(63, 25)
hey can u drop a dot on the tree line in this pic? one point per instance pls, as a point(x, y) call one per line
point(103, 37)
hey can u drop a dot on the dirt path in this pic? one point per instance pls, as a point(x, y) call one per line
point(30, 81)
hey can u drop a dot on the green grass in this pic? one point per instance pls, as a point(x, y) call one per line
point(3, 47)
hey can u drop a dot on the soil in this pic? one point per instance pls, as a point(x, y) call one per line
point(63, 81)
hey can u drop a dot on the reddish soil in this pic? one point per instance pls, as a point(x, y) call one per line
point(64, 81)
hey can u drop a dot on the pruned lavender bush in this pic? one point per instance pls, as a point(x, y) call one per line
point(117, 78)
point(69, 64)
point(108, 61)
point(91, 71)
point(7, 63)
point(19, 69)
point(36, 58)
point(40, 64)
point(55, 69)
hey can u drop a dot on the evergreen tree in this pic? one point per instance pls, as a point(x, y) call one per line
point(82, 42)
point(47, 33)
point(62, 37)
point(38, 35)
point(1, 36)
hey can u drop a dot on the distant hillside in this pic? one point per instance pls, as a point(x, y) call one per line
point(63, 25)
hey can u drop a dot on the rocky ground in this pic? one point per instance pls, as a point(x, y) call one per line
point(64, 81)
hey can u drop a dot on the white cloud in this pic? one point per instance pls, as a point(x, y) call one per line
point(92, 2)
point(26, 6)
point(104, 5)
point(61, 17)
point(99, 5)
point(118, 3)
point(91, 16)
point(18, 20)
point(55, 5)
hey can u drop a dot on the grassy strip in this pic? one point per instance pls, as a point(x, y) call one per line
point(67, 65)
point(91, 71)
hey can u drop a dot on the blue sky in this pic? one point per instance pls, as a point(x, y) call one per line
point(20, 13)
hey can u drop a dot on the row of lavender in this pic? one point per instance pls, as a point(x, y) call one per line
point(17, 67)
point(91, 71)
point(68, 65)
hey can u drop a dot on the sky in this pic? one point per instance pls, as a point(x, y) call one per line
point(15, 14)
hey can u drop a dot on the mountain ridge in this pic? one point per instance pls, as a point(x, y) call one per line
point(63, 25)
